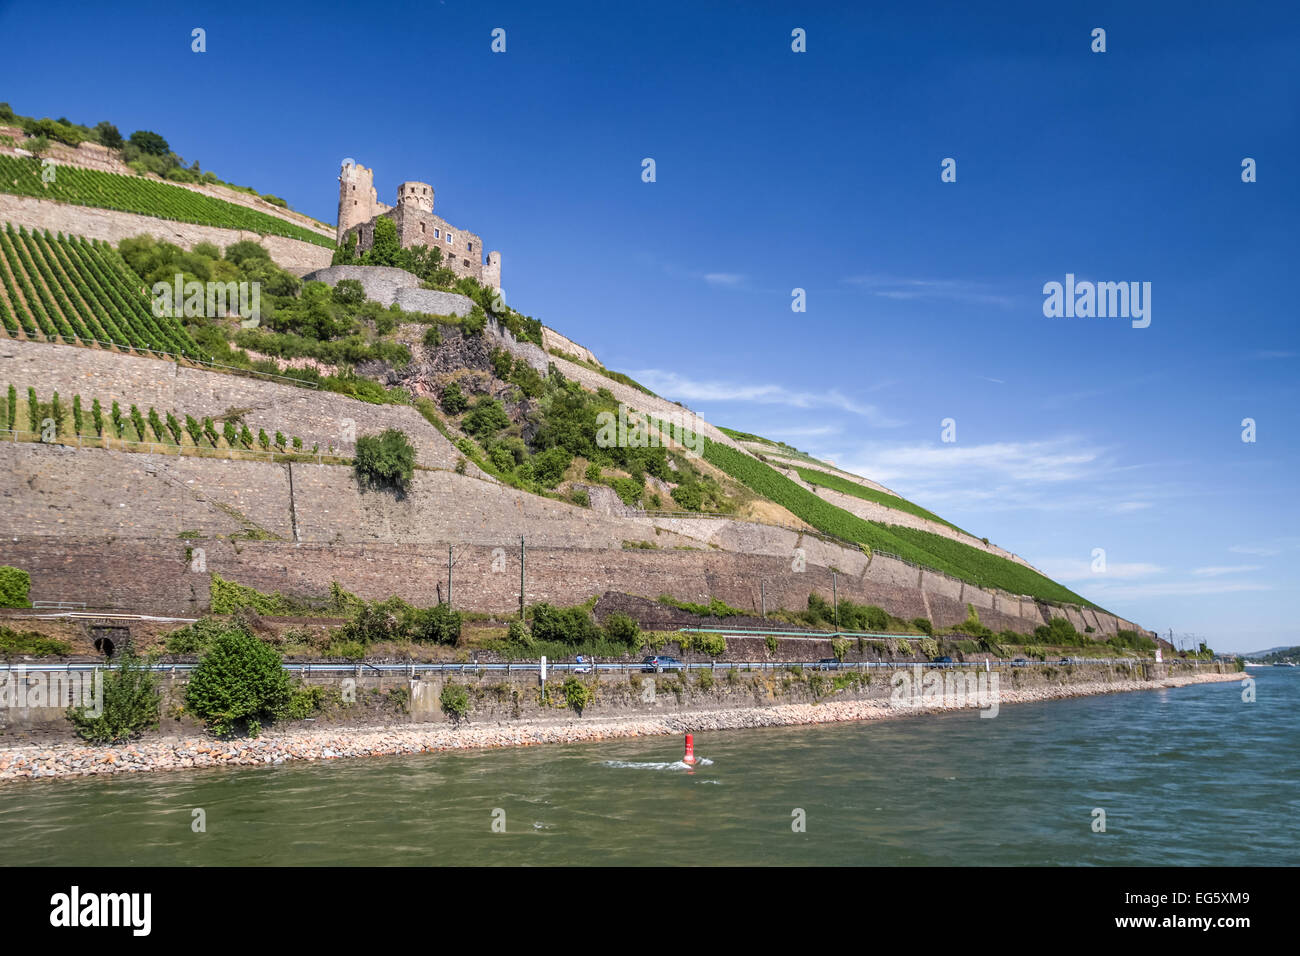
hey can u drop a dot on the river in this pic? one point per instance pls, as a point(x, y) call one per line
point(1186, 776)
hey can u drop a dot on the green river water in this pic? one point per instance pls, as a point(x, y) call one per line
point(1186, 777)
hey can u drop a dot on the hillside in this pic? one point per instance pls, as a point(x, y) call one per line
point(520, 424)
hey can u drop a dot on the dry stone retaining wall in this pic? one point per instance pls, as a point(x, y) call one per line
point(112, 226)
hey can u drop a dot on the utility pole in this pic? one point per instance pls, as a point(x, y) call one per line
point(522, 554)
point(835, 596)
point(450, 565)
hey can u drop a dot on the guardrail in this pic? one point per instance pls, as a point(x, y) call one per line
point(412, 669)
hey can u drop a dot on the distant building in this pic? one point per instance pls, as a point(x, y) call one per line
point(462, 250)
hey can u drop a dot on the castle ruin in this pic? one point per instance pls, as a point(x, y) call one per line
point(359, 208)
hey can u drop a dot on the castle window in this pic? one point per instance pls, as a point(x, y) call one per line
point(450, 240)
point(437, 233)
point(422, 227)
point(471, 246)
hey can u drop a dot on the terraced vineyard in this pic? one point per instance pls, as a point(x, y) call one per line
point(79, 292)
point(148, 197)
point(846, 487)
point(920, 547)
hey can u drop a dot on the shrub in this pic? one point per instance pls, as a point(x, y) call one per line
point(198, 637)
point(239, 681)
point(772, 643)
point(130, 703)
point(31, 643)
point(454, 700)
point(620, 627)
point(77, 420)
point(15, 585)
point(519, 635)
point(486, 418)
point(563, 625)
point(839, 647)
point(377, 621)
point(453, 399)
point(385, 460)
point(432, 338)
point(923, 625)
point(577, 695)
point(436, 625)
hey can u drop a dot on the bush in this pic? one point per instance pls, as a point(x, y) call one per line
point(31, 643)
point(130, 704)
point(385, 461)
point(923, 625)
point(576, 694)
point(519, 635)
point(198, 637)
point(436, 625)
point(563, 625)
point(377, 621)
point(620, 627)
point(239, 681)
point(15, 585)
point(453, 399)
point(454, 700)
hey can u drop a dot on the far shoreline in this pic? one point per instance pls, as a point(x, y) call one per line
point(277, 747)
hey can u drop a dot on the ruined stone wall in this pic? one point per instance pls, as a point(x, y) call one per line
point(553, 341)
point(292, 255)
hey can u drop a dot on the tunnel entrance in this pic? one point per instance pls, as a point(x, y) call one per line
point(110, 639)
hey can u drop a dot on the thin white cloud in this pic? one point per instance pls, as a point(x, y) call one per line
point(726, 279)
point(1080, 569)
point(1103, 592)
point(1272, 354)
point(1214, 572)
point(687, 389)
point(905, 289)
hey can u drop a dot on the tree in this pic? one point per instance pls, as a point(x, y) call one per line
point(149, 143)
point(385, 250)
point(240, 681)
point(386, 460)
point(108, 135)
point(349, 292)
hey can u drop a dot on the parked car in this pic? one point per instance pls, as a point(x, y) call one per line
point(1020, 662)
point(828, 664)
point(941, 660)
point(1066, 660)
point(661, 663)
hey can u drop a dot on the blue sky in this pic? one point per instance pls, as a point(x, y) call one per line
point(821, 170)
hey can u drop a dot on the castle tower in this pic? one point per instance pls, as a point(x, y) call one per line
point(492, 270)
point(357, 200)
point(419, 195)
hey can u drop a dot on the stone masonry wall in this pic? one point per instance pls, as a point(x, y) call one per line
point(293, 255)
point(316, 416)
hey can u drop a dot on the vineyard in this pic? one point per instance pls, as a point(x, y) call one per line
point(148, 197)
point(78, 292)
point(920, 547)
point(846, 487)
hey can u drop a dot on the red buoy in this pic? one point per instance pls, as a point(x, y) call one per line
point(689, 758)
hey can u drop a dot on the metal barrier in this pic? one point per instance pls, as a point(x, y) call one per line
point(411, 668)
